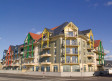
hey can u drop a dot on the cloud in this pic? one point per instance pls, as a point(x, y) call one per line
point(0, 38)
point(39, 32)
point(108, 57)
point(33, 29)
point(109, 3)
point(106, 51)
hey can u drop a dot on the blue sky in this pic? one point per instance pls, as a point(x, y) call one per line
point(18, 17)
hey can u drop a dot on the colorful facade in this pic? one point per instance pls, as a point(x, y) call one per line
point(61, 49)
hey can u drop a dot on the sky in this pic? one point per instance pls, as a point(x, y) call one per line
point(18, 17)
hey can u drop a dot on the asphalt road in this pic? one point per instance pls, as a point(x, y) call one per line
point(21, 77)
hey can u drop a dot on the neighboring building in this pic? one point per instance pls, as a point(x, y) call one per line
point(99, 55)
point(1, 64)
point(61, 49)
point(108, 66)
point(12, 58)
point(31, 55)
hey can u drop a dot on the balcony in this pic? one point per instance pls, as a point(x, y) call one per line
point(30, 50)
point(26, 44)
point(45, 55)
point(70, 53)
point(99, 64)
point(69, 36)
point(98, 58)
point(70, 63)
point(90, 54)
point(30, 57)
point(45, 63)
point(90, 62)
point(71, 45)
point(46, 47)
point(21, 53)
point(45, 39)
point(88, 47)
point(16, 64)
point(10, 59)
point(29, 64)
point(17, 59)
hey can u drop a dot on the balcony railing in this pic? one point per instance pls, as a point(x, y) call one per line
point(68, 61)
point(68, 52)
point(72, 44)
point(45, 39)
point(69, 35)
point(90, 61)
point(89, 53)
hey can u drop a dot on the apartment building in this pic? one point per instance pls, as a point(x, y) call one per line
point(12, 58)
point(99, 55)
point(30, 59)
point(61, 49)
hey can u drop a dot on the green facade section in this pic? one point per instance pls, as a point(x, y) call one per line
point(101, 53)
point(29, 41)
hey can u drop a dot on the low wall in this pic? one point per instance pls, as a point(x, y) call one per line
point(76, 74)
point(57, 74)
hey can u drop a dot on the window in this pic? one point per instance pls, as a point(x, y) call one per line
point(74, 59)
point(73, 50)
point(68, 59)
point(74, 42)
point(83, 44)
point(47, 59)
point(66, 68)
point(68, 50)
point(54, 59)
point(91, 38)
point(84, 68)
point(42, 68)
point(54, 44)
point(67, 42)
point(70, 34)
point(48, 51)
point(37, 68)
point(75, 68)
point(55, 68)
point(55, 51)
point(32, 68)
point(48, 69)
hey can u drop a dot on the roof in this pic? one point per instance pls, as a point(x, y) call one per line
point(108, 63)
point(35, 36)
point(49, 30)
point(54, 28)
point(59, 29)
point(96, 43)
point(5, 51)
point(12, 47)
point(79, 32)
point(86, 31)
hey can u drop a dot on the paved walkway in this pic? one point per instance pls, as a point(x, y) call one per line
point(22, 77)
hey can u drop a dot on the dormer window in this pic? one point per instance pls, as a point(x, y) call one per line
point(70, 34)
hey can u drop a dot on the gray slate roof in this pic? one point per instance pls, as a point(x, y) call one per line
point(86, 31)
point(60, 30)
point(108, 63)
